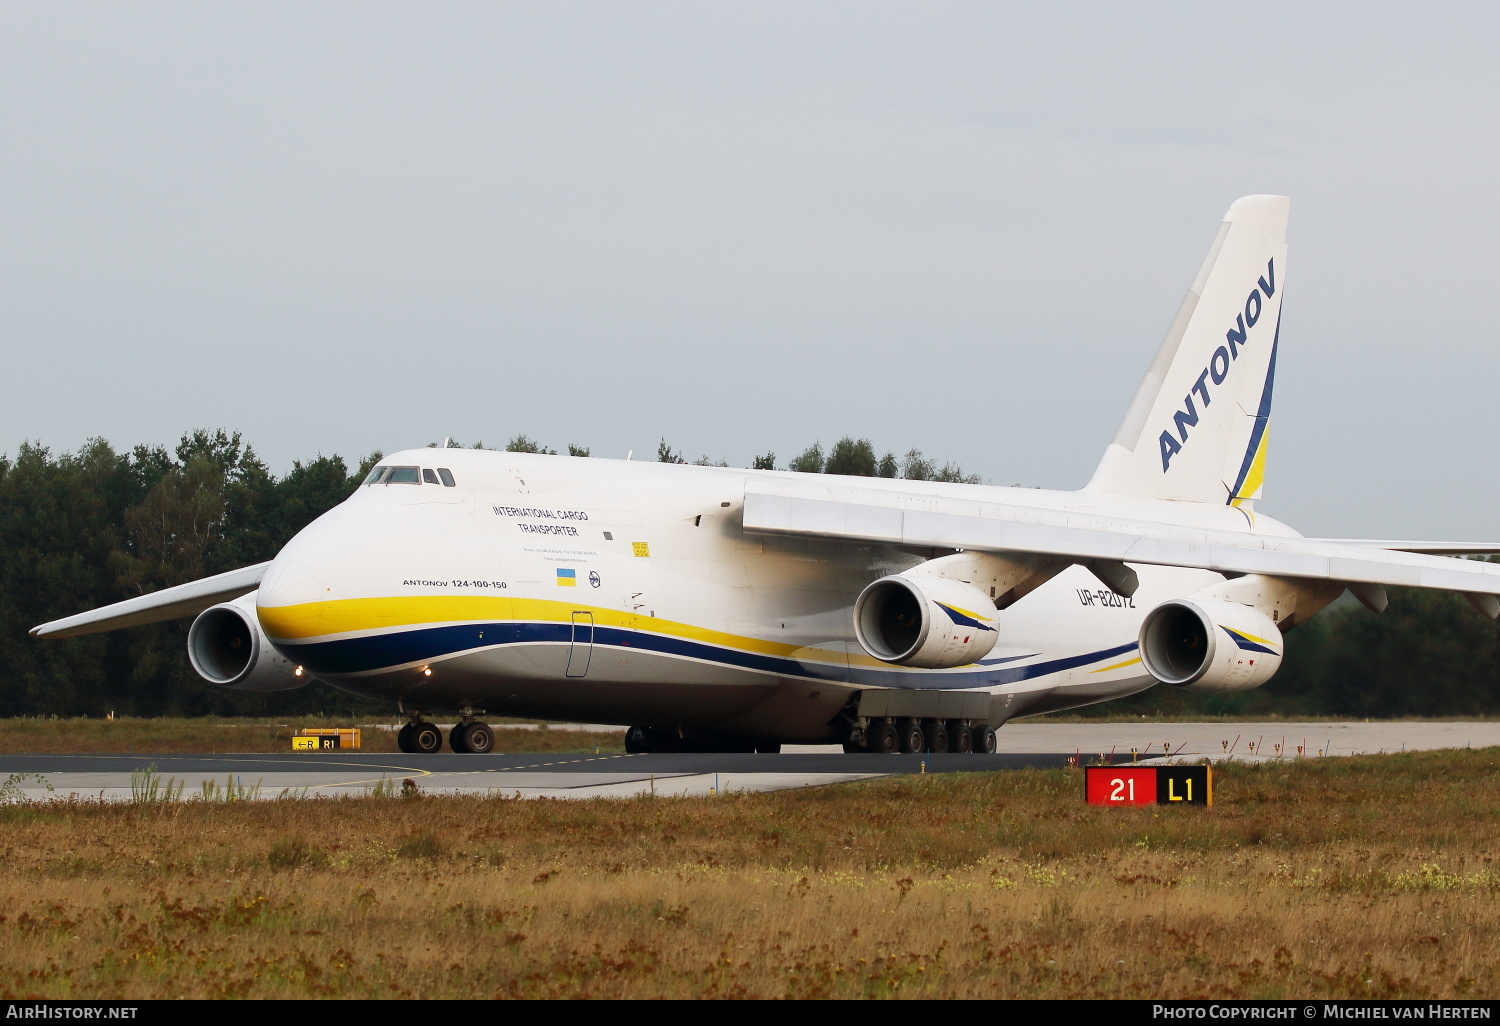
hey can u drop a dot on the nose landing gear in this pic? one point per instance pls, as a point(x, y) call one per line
point(469, 735)
point(419, 737)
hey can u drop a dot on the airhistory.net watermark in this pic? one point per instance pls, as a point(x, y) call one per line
point(49, 1010)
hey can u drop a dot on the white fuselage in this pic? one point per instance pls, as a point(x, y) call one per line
point(627, 592)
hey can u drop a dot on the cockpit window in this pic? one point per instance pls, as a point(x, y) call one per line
point(447, 476)
point(402, 475)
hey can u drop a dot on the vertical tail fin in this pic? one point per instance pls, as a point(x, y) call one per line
point(1196, 430)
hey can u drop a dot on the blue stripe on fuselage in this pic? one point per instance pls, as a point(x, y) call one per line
point(403, 648)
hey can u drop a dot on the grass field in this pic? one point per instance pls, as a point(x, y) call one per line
point(1369, 877)
point(210, 735)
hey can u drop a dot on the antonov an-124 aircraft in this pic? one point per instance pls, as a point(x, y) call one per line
point(713, 609)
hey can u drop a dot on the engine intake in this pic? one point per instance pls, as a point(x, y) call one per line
point(227, 647)
point(1210, 645)
point(931, 622)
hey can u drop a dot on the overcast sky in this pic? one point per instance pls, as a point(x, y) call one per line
point(957, 226)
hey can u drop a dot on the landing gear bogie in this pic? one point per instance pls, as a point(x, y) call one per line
point(886, 736)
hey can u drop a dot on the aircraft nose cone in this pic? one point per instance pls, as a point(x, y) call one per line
point(287, 603)
point(288, 582)
point(306, 583)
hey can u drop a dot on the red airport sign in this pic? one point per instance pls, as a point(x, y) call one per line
point(1148, 785)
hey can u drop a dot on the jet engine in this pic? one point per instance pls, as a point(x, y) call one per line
point(227, 647)
point(1210, 645)
point(931, 622)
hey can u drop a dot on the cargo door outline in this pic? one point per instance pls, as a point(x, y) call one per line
point(581, 645)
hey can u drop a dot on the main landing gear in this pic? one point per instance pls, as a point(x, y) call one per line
point(468, 735)
point(889, 735)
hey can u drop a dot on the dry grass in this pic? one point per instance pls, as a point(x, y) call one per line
point(209, 735)
point(1368, 877)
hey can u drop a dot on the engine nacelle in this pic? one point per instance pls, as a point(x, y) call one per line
point(227, 647)
point(931, 622)
point(1210, 645)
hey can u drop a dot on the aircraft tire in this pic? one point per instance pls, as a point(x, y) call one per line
point(960, 738)
point(404, 742)
point(637, 741)
point(912, 738)
point(479, 739)
point(936, 736)
point(425, 738)
point(458, 737)
point(985, 741)
point(882, 739)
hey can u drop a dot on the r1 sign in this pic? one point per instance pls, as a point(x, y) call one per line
point(1148, 785)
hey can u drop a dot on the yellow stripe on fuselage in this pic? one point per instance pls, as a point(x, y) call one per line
point(1117, 666)
point(348, 616)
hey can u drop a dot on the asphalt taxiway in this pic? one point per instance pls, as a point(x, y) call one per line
point(527, 776)
point(1022, 745)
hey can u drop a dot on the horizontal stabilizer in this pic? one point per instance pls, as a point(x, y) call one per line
point(904, 518)
point(168, 604)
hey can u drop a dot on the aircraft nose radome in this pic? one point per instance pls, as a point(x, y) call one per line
point(327, 562)
point(287, 583)
point(287, 604)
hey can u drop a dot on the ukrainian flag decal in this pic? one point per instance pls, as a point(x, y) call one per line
point(567, 578)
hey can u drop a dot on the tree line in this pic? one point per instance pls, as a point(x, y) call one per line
point(84, 529)
point(853, 456)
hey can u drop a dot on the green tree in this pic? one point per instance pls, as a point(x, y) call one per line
point(916, 467)
point(664, 453)
point(522, 443)
point(954, 474)
point(810, 462)
point(766, 462)
point(856, 458)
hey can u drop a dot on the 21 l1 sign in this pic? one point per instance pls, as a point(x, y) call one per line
point(1148, 785)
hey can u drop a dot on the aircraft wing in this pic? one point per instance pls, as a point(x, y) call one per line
point(911, 518)
point(167, 604)
point(1435, 548)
